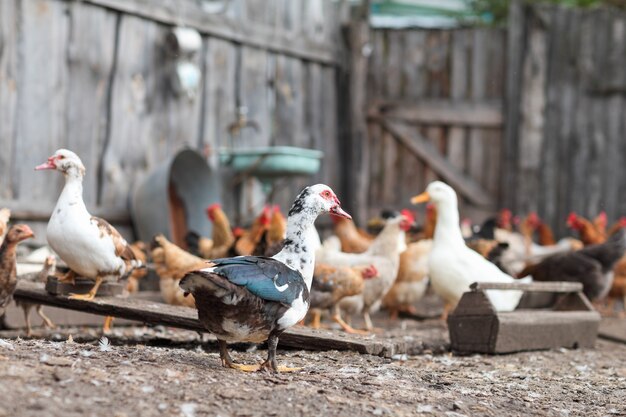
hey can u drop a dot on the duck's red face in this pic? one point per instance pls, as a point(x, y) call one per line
point(335, 208)
point(369, 272)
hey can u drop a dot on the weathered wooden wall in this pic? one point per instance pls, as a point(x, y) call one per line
point(91, 76)
point(565, 148)
point(446, 89)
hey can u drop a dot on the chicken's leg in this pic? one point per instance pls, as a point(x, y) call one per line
point(345, 326)
point(90, 295)
point(108, 322)
point(270, 363)
point(29, 330)
point(46, 320)
point(68, 278)
point(316, 320)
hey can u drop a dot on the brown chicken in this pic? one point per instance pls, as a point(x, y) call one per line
point(171, 264)
point(5, 216)
point(8, 263)
point(332, 284)
point(545, 235)
point(248, 243)
point(617, 226)
point(589, 233)
point(412, 280)
point(139, 250)
point(275, 233)
point(430, 222)
point(222, 238)
point(49, 267)
point(351, 240)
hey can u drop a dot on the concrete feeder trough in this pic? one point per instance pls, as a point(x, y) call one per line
point(569, 321)
point(172, 199)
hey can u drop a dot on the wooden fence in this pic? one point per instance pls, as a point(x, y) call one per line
point(565, 148)
point(92, 76)
point(435, 101)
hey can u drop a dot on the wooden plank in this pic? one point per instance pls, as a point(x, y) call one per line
point(427, 152)
point(220, 100)
point(559, 287)
point(42, 85)
point(37, 211)
point(532, 106)
point(458, 91)
point(613, 329)
point(9, 33)
point(137, 83)
point(487, 113)
point(478, 147)
point(191, 14)
point(90, 57)
point(330, 141)
point(358, 152)
point(437, 60)
point(157, 313)
point(515, 52)
point(414, 65)
point(254, 92)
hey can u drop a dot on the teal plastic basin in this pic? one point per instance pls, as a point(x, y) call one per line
point(273, 161)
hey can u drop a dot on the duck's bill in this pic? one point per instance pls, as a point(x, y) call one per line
point(422, 198)
point(338, 211)
point(46, 165)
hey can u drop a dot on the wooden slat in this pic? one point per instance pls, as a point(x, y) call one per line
point(42, 84)
point(446, 112)
point(256, 35)
point(90, 56)
point(157, 313)
point(427, 152)
point(9, 34)
point(35, 211)
point(559, 287)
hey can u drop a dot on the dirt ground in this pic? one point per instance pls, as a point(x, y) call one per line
point(153, 372)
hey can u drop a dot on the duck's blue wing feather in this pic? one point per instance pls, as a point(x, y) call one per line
point(264, 277)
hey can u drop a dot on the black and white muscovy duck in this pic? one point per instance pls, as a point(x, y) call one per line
point(256, 298)
point(89, 245)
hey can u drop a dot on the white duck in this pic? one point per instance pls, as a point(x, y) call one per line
point(453, 266)
point(90, 246)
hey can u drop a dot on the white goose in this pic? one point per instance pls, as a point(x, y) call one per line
point(453, 266)
point(90, 246)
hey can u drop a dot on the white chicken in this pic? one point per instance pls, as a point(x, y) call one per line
point(90, 246)
point(383, 254)
point(453, 266)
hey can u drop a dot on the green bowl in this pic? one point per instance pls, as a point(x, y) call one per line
point(273, 161)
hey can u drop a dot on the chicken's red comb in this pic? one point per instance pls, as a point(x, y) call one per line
point(213, 207)
point(237, 231)
point(533, 217)
point(572, 219)
point(276, 208)
point(622, 221)
point(408, 214)
point(369, 272)
point(602, 217)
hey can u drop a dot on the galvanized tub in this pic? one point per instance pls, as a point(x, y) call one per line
point(173, 197)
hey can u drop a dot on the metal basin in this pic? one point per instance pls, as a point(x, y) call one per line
point(173, 197)
point(273, 161)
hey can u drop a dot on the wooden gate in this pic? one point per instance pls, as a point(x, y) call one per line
point(435, 102)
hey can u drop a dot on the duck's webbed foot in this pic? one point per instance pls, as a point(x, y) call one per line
point(227, 361)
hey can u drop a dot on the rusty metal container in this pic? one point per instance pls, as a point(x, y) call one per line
point(568, 321)
point(173, 197)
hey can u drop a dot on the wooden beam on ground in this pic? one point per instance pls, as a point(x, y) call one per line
point(426, 151)
point(613, 329)
point(157, 313)
point(531, 286)
point(484, 114)
point(191, 14)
